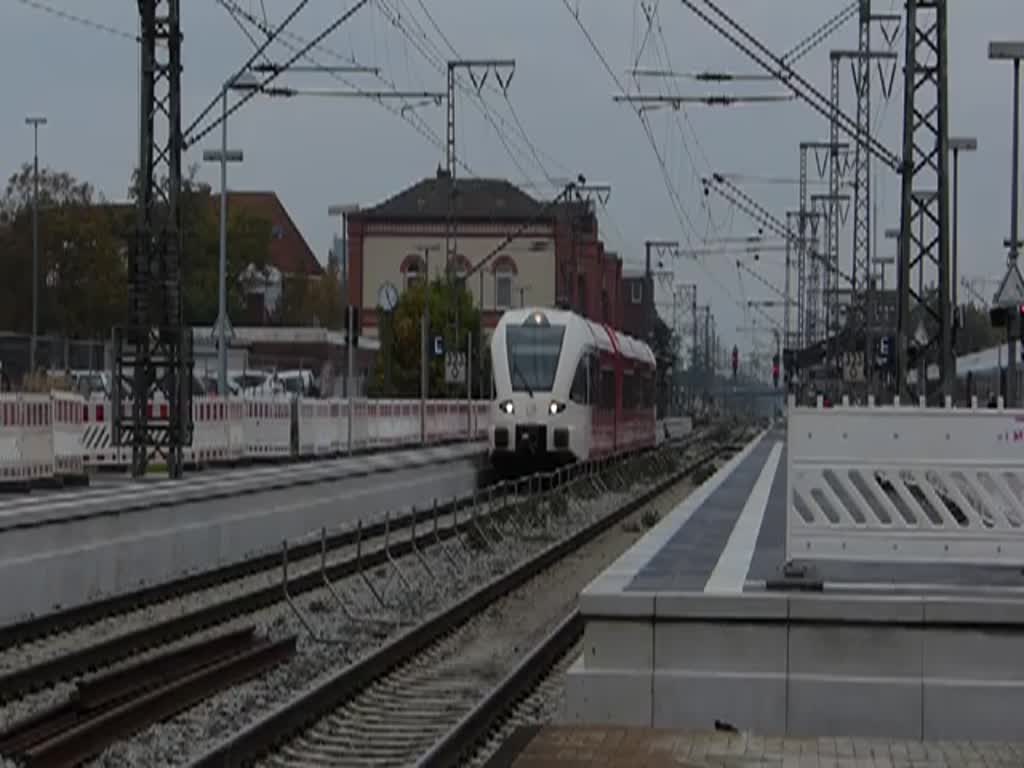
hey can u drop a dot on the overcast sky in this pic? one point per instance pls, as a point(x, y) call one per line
point(317, 151)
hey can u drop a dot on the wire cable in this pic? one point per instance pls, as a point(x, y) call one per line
point(348, 14)
point(406, 112)
point(82, 20)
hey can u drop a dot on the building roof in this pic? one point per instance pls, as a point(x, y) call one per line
point(475, 199)
point(289, 252)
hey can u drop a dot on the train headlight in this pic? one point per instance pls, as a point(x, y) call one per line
point(507, 407)
point(556, 407)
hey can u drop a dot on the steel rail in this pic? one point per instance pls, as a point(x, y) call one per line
point(323, 697)
point(28, 679)
point(462, 740)
point(72, 618)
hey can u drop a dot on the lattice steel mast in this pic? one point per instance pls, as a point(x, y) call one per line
point(924, 224)
point(154, 350)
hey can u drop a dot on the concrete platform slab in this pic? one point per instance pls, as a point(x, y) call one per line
point(877, 650)
point(562, 746)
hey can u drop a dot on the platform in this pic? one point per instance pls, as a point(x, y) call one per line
point(696, 622)
point(615, 747)
point(66, 549)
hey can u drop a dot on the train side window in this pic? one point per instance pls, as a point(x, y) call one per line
point(628, 391)
point(578, 391)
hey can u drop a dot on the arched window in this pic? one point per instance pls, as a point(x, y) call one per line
point(413, 270)
point(505, 272)
point(460, 265)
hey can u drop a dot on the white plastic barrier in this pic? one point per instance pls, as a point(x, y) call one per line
point(26, 438)
point(319, 427)
point(97, 438)
point(899, 484)
point(228, 430)
point(268, 428)
point(674, 428)
point(68, 419)
point(217, 431)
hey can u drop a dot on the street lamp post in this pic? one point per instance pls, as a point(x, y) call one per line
point(1012, 51)
point(958, 145)
point(35, 122)
point(343, 211)
point(242, 81)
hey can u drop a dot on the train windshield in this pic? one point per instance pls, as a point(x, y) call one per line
point(533, 353)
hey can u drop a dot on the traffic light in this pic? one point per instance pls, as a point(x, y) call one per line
point(775, 370)
point(735, 361)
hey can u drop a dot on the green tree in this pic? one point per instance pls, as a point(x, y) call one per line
point(295, 307)
point(82, 270)
point(401, 349)
point(664, 346)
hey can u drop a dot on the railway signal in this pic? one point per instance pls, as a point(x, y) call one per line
point(735, 361)
point(775, 370)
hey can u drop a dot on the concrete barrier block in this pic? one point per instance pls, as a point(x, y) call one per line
point(695, 699)
point(867, 708)
point(618, 645)
point(975, 711)
point(974, 653)
point(733, 647)
point(613, 697)
point(869, 609)
point(845, 650)
point(974, 610)
point(700, 605)
point(624, 604)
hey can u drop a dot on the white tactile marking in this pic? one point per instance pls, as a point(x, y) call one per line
point(619, 574)
point(730, 571)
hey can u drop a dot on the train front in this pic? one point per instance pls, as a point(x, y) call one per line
point(533, 422)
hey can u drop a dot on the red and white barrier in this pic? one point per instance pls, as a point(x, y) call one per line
point(68, 419)
point(63, 434)
point(26, 438)
point(97, 440)
point(268, 428)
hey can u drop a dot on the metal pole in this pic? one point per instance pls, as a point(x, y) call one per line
point(222, 349)
point(35, 248)
point(956, 221)
point(424, 330)
point(469, 384)
point(785, 330)
point(349, 353)
point(1013, 324)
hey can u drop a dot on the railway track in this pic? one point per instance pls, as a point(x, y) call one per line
point(116, 704)
point(338, 556)
point(312, 564)
point(427, 684)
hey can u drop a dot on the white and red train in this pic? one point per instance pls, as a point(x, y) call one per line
point(567, 389)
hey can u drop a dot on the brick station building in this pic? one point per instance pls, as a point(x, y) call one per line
point(557, 260)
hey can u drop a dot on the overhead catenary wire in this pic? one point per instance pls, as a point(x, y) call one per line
point(406, 112)
point(249, 62)
point(81, 20)
point(685, 223)
point(437, 58)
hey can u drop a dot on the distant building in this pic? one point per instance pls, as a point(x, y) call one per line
point(289, 253)
point(554, 256)
point(638, 305)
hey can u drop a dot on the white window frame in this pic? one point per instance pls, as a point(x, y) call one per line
point(504, 274)
point(636, 292)
point(412, 275)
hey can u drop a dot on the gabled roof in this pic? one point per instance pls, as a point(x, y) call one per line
point(474, 199)
point(289, 251)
